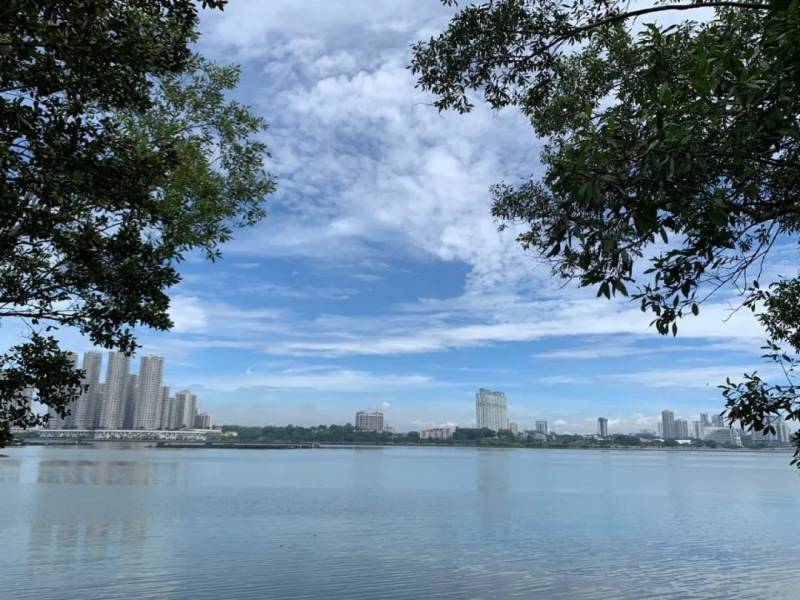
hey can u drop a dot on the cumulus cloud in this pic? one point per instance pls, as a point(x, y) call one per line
point(187, 314)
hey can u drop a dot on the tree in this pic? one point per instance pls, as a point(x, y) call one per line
point(120, 154)
point(672, 155)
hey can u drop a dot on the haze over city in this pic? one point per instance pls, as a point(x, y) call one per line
point(379, 279)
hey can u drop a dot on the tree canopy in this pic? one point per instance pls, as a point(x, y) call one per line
point(672, 152)
point(120, 153)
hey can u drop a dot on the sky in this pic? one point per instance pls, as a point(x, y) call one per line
point(379, 279)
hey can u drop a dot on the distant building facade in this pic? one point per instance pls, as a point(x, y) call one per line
point(185, 409)
point(147, 403)
point(164, 408)
point(369, 421)
point(681, 429)
point(491, 410)
point(668, 425)
point(125, 401)
point(540, 427)
point(779, 437)
point(112, 411)
point(724, 435)
point(202, 421)
point(602, 427)
point(85, 412)
point(436, 433)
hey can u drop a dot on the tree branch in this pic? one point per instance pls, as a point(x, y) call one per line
point(654, 9)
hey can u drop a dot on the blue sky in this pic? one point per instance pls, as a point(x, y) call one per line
point(379, 278)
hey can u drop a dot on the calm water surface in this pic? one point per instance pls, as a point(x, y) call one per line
point(107, 523)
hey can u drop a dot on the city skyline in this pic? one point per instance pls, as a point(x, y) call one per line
point(148, 406)
point(142, 402)
point(124, 400)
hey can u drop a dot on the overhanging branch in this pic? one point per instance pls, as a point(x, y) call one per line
point(655, 9)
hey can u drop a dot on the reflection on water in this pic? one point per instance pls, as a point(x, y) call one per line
point(108, 472)
point(395, 523)
point(9, 469)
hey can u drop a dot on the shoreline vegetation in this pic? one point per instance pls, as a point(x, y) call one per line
point(379, 445)
point(347, 436)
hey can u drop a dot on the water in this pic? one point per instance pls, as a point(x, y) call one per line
point(109, 523)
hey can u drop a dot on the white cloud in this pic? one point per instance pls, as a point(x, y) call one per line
point(325, 380)
point(690, 377)
point(187, 314)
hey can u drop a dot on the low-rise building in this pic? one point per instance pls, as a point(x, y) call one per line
point(436, 433)
point(202, 421)
point(723, 435)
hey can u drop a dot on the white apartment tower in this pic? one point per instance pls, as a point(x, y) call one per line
point(185, 409)
point(668, 425)
point(163, 417)
point(112, 411)
point(130, 400)
point(491, 410)
point(147, 404)
point(86, 407)
point(172, 414)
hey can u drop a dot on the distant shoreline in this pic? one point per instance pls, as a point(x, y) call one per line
point(779, 450)
point(350, 445)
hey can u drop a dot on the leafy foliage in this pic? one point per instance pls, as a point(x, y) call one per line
point(677, 147)
point(120, 153)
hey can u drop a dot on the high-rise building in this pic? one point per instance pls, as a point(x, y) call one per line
point(697, 430)
point(112, 411)
point(704, 422)
point(164, 408)
point(54, 420)
point(602, 427)
point(131, 394)
point(540, 427)
point(668, 425)
point(513, 428)
point(436, 433)
point(681, 429)
point(147, 407)
point(369, 421)
point(98, 404)
point(202, 421)
point(717, 421)
point(185, 409)
point(172, 414)
point(86, 406)
point(491, 410)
